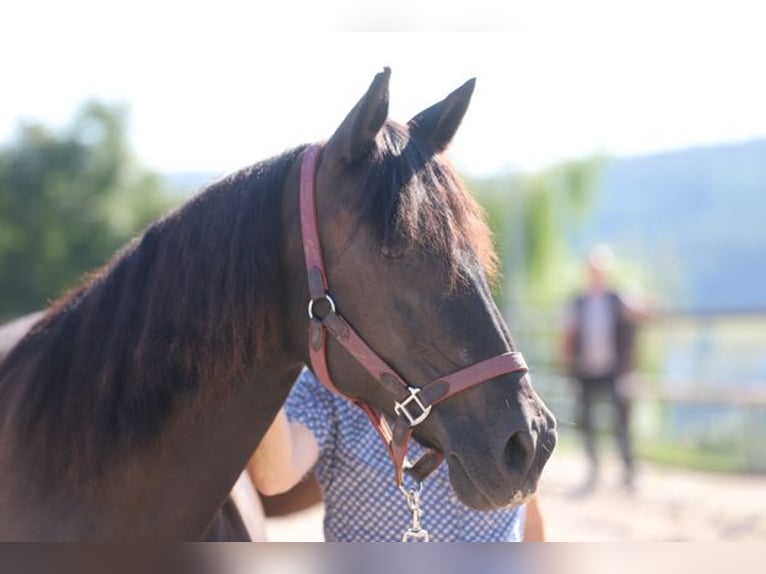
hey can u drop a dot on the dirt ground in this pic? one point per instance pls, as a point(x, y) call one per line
point(667, 504)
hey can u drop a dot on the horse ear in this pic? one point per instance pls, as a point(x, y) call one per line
point(439, 123)
point(358, 130)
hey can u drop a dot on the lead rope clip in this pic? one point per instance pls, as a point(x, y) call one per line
point(416, 533)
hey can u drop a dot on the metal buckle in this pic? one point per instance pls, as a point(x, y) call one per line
point(325, 297)
point(402, 407)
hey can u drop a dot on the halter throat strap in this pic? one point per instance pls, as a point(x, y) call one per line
point(412, 405)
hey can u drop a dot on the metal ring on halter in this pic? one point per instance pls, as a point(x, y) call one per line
point(325, 297)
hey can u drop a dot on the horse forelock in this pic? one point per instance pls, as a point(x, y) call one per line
point(415, 199)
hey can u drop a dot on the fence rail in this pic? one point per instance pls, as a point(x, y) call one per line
point(691, 426)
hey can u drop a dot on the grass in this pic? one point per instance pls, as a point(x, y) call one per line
point(693, 457)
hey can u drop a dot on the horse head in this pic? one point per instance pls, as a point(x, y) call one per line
point(408, 261)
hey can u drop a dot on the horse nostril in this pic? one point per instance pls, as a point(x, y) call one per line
point(519, 452)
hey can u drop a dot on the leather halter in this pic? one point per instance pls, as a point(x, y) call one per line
point(412, 405)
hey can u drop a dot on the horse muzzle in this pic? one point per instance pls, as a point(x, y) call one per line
point(517, 468)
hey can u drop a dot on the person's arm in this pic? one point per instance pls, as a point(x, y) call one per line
point(636, 305)
point(284, 456)
point(567, 349)
point(534, 527)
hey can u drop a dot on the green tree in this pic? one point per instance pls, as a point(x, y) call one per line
point(68, 200)
point(532, 216)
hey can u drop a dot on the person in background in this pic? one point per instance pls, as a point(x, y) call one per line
point(598, 350)
point(320, 430)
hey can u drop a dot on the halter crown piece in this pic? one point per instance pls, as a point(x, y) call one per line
point(411, 404)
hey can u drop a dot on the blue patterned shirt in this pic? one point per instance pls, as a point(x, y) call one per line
point(362, 502)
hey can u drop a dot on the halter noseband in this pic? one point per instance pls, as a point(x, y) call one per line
point(412, 405)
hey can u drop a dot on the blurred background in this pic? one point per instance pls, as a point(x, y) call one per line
point(636, 125)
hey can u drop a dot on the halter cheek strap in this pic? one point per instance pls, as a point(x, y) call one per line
point(411, 404)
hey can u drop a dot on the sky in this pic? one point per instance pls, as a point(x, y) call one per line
point(214, 86)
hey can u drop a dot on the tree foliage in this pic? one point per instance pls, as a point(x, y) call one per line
point(532, 216)
point(68, 200)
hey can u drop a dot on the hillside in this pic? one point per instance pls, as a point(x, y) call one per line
point(694, 219)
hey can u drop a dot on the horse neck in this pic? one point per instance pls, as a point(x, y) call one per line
point(164, 353)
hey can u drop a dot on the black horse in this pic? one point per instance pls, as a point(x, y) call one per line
point(129, 410)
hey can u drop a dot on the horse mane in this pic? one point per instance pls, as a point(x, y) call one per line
point(195, 298)
point(407, 188)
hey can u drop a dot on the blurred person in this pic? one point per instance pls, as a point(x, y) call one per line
point(598, 349)
point(320, 430)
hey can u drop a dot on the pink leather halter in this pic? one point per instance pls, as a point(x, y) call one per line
point(412, 405)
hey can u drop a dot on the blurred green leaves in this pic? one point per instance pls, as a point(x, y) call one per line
point(68, 200)
point(533, 216)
